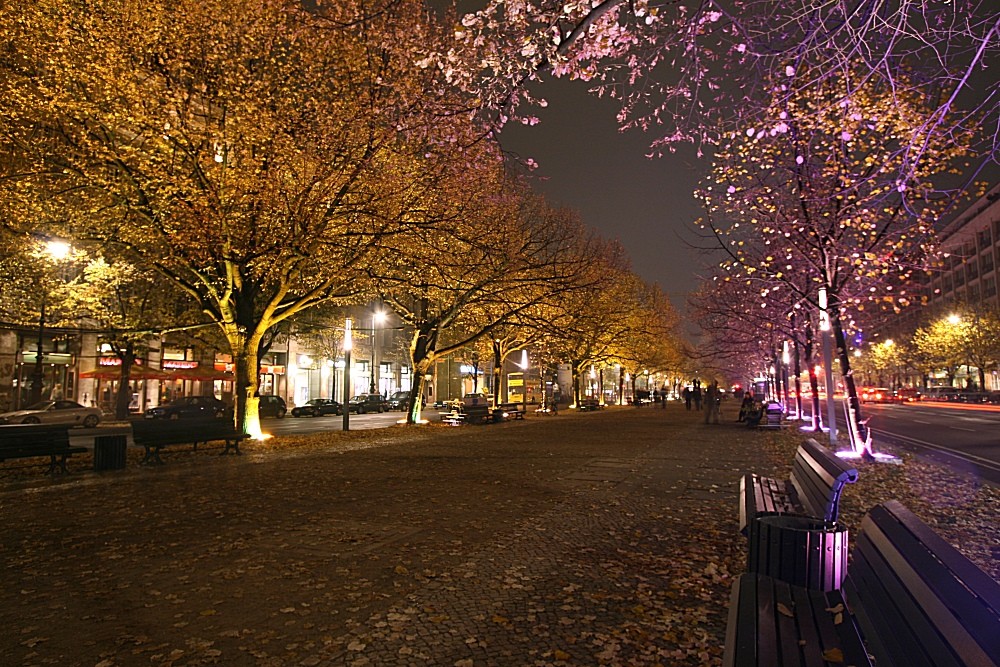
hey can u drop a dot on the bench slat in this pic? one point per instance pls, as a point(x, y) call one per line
point(926, 615)
point(817, 480)
point(774, 624)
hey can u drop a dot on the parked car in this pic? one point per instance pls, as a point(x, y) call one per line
point(399, 401)
point(190, 407)
point(54, 412)
point(363, 403)
point(271, 406)
point(317, 407)
point(941, 394)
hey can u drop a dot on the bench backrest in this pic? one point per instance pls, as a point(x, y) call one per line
point(819, 476)
point(19, 436)
point(917, 600)
point(180, 430)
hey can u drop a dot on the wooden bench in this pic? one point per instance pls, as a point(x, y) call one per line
point(453, 418)
point(910, 600)
point(22, 441)
point(817, 480)
point(154, 434)
point(590, 403)
point(512, 411)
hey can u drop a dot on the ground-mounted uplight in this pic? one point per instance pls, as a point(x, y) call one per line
point(878, 457)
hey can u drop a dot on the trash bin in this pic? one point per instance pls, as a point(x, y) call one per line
point(109, 452)
point(802, 551)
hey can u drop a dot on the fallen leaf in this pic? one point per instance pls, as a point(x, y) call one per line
point(785, 611)
point(833, 655)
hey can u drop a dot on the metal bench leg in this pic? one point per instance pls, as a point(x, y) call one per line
point(152, 456)
point(233, 445)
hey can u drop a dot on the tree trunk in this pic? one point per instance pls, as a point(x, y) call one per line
point(858, 425)
point(813, 379)
point(245, 350)
point(497, 368)
point(422, 356)
point(123, 397)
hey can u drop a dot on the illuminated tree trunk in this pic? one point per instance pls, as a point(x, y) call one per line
point(813, 379)
point(858, 425)
point(245, 350)
point(422, 356)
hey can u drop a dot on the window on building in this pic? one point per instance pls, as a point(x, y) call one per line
point(986, 261)
point(984, 239)
point(971, 269)
point(974, 293)
point(989, 288)
point(948, 283)
point(959, 277)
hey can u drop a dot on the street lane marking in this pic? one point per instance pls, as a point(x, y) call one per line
point(919, 421)
point(959, 428)
point(957, 453)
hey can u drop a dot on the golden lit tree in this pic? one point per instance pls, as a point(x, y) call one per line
point(252, 152)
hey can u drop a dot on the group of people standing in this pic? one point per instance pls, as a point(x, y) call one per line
point(711, 399)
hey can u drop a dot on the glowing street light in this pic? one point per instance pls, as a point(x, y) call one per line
point(826, 333)
point(377, 318)
point(57, 251)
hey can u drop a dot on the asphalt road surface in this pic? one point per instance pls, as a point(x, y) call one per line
point(967, 437)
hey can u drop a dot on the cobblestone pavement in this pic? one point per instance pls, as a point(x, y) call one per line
point(601, 538)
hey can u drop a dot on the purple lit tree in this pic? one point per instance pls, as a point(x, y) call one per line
point(812, 200)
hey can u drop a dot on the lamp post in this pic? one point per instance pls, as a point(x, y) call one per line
point(56, 250)
point(377, 317)
point(826, 333)
point(348, 344)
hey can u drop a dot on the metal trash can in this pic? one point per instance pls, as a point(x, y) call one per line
point(799, 550)
point(109, 452)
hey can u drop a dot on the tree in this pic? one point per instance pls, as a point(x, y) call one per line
point(696, 72)
point(811, 202)
point(252, 152)
point(501, 254)
point(969, 336)
point(126, 304)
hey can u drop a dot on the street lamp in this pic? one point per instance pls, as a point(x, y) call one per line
point(377, 318)
point(826, 332)
point(348, 344)
point(56, 250)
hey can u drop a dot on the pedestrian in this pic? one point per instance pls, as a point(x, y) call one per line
point(663, 397)
point(713, 399)
point(746, 407)
point(696, 395)
point(686, 394)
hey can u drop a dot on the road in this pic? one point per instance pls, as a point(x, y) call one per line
point(963, 436)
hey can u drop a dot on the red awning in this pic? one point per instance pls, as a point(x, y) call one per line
point(136, 372)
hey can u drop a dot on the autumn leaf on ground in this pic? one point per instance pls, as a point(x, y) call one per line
point(784, 610)
point(833, 655)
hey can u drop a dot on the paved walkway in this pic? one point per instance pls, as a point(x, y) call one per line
point(602, 538)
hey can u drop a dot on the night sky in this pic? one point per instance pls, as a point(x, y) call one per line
point(586, 164)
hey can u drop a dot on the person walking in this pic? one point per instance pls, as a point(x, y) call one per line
point(687, 398)
point(712, 402)
point(663, 397)
point(696, 393)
